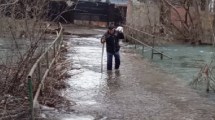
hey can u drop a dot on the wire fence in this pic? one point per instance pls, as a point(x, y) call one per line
point(40, 70)
point(141, 46)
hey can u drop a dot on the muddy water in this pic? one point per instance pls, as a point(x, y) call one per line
point(137, 92)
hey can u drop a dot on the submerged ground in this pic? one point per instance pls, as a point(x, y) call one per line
point(139, 91)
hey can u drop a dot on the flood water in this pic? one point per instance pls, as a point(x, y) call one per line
point(137, 91)
point(187, 60)
point(131, 94)
point(10, 50)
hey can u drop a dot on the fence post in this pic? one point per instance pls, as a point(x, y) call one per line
point(161, 55)
point(152, 55)
point(153, 45)
point(207, 79)
point(30, 90)
point(208, 85)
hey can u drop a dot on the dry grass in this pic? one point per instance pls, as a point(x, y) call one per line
point(14, 105)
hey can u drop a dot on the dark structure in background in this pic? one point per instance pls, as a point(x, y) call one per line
point(99, 13)
point(59, 11)
point(91, 13)
point(87, 13)
point(119, 14)
point(95, 13)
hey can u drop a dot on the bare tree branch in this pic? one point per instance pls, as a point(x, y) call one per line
point(7, 4)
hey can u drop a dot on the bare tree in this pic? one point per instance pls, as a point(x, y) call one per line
point(196, 13)
point(22, 26)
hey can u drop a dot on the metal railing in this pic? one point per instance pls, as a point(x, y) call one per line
point(40, 70)
point(136, 41)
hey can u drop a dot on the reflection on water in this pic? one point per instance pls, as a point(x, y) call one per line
point(93, 80)
point(89, 83)
point(90, 89)
point(81, 117)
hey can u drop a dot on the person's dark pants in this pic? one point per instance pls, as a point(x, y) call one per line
point(110, 60)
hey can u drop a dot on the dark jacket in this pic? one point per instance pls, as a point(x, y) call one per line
point(112, 42)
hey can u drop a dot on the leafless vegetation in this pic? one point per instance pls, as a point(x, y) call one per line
point(190, 21)
point(205, 78)
point(183, 21)
point(195, 25)
point(23, 29)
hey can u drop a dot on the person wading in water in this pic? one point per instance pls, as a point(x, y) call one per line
point(111, 38)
